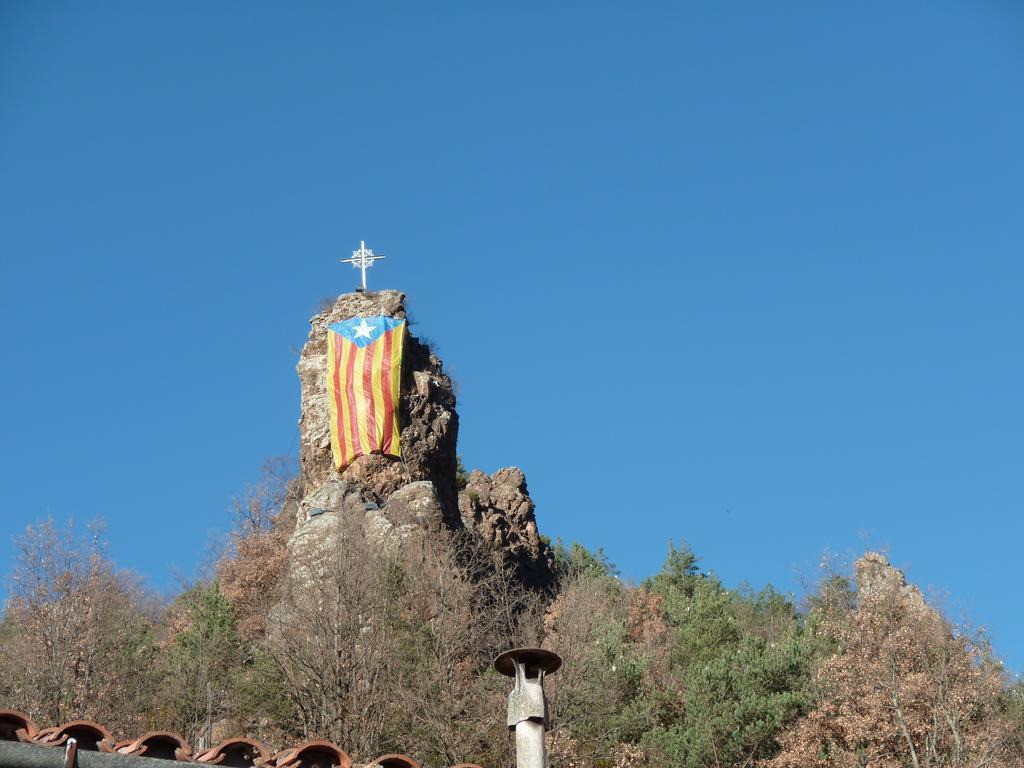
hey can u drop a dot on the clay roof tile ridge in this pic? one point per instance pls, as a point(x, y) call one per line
point(251, 751)
point(157, 744)
point(16, 726)
point(295, 756)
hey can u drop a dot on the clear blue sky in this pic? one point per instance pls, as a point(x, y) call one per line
point(748, 274)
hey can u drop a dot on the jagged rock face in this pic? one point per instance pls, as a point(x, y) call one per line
point(412, 509)
point(427, 419)
point(418, 493)
point(499, 507)
point(416, 504)
point(875, 576)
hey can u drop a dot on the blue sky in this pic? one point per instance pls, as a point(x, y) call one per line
point(746, 274)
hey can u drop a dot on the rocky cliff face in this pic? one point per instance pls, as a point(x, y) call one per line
point(417, 493)
point(499, 507)
point(427, 419)
point(875, 576)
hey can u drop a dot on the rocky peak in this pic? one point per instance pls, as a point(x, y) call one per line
point(418, 492)
point(499, 507)
point(427, 419)
point(875, 576)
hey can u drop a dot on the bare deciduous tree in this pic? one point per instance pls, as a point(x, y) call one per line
point(904, 689)
point(257, 559)
point(384, 641)
point(77, 632)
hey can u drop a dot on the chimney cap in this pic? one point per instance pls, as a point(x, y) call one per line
point(534, 659)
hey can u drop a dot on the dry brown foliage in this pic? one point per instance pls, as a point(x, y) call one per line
point(566, 751)
point(903, 689)
point(264, 518)
point(612, 639)
point(251, 577)
point(647, 629)
point(384, 643)
point(78, 635)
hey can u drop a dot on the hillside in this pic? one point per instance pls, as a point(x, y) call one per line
point(365, 607)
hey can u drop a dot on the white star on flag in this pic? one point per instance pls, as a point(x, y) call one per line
point(363, 329)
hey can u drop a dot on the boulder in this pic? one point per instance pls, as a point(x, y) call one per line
point(500, 509)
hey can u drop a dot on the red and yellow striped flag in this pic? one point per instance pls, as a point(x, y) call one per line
point(364, 372)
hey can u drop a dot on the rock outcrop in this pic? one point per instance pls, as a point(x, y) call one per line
point(427, 420)
point(875, 576)
point(417, 493)
point(499, 507)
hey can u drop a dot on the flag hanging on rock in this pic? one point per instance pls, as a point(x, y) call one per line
point(364, 369)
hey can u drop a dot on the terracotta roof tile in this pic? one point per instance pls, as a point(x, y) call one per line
point(232, 753)
point(313, 754)
point(160, 744)
point(16, 726)
point(393, 761)
point(90, 735)
point(237, 753)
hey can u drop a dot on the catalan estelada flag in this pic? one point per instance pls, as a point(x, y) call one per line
point(364, 372)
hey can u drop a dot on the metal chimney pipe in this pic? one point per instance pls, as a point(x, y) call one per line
point(527, 705)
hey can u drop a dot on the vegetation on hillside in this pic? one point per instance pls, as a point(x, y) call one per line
point(383, 646)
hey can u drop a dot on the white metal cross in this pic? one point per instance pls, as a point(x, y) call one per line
point(362, 259)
